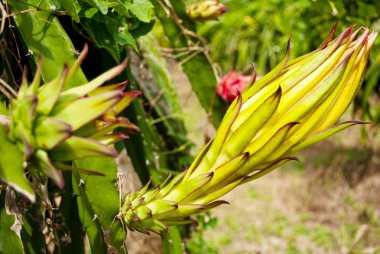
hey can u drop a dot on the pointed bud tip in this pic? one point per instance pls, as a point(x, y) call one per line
point(112, 153)
point(294, 159)
point(278, 92)
point(124, 63)
point(84, 50)
point(134, 93)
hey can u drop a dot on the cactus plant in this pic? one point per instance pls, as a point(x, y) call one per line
point(292, 107)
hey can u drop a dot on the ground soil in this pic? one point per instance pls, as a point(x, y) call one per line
point(328, 203)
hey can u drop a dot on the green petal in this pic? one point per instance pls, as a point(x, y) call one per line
point(48, 94)
point(11, 167)
point(182, 211)
point(184, 189)
point(80, 91)
point(268, 169)
point(84, 110)
point(24, 139)
point(258, 85)
point(197, 160)
point(170, 186)
point(324, 134)
point(239, 140)
point(113, 138)
point(118, 86)
point(33, 88)
point(43, 163)
point(127, 99)
point(162, 206)
point(24, 110)
point(220, 178)
point(307, 105)
point(50, 132)
point(77, 148)
point(217, 193)
point(143, 212)
point(106, 127)
point(259, 156)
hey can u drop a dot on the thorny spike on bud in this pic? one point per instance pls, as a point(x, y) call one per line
point(50, 125)
point(293, 106)
point(205, 10)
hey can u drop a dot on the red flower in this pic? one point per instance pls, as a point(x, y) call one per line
point(231, 84)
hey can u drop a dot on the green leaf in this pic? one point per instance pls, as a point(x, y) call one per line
point(102, 196)
point(11, 168)
point(72, 7)
point(98, 204)
point(125, 38)
point(103, 30)
point(172, 242)
point(100, 4)
point(101, 190)
point(142, 9)
point(43, 35)
point(87, 217)
point(89, 13)
point(10, 241)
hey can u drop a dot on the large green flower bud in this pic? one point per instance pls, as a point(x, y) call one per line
point(294, 106)
point(48, 126)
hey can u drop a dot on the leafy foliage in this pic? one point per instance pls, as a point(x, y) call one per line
point(256, 33)
point(11, 241)
point(112, 24)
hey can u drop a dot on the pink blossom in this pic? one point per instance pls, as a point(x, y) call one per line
point(231, 84)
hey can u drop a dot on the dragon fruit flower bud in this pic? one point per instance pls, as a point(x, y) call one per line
point(205, 10)
point(294, 106)
point(49, 125)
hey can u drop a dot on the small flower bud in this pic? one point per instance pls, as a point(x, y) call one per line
point(231, 84)
point(206, 10)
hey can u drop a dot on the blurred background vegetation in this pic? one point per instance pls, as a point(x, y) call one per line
point(256, 32)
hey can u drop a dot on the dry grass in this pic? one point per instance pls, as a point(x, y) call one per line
point(328, 204)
